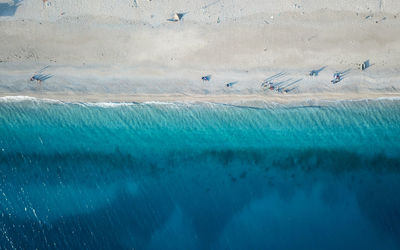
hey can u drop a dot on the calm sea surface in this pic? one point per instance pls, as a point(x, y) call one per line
point(199, 176)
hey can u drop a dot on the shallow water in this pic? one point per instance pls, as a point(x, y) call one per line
point(199, 176)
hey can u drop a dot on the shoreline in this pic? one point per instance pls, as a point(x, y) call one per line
point(239, 100)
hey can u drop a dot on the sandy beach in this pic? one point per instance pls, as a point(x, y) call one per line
point(129, 52)
point(207, 124)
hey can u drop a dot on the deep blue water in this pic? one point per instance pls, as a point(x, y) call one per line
point(199, 176)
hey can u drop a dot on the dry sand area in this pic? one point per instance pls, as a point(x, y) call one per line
point(102, 50)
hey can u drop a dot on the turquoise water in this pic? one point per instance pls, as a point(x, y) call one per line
point(199, 176)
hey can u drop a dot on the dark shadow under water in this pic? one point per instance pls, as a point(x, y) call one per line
point(233, 199)
point(76, 176)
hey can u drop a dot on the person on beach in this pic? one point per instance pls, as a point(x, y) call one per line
point(230, 84)
point(39, 77)
point(36, 78)
point(206, 78)
point(177, 17)
point(269, 85)
point(266, 84)
point(336, 78)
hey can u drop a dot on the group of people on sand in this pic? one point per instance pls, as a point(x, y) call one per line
point(270, 86)
point(266, 84)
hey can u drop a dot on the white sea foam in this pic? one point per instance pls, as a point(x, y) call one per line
point(394, 98)
point(27, 98)
point(158, 103)
point(259, 104)
point(17, 98)
point(106, 104)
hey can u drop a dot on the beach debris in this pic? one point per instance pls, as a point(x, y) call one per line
point(230, 84)
point(206, 78)
point(177, 17)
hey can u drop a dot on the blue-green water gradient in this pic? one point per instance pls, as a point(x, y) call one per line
point(199, 176)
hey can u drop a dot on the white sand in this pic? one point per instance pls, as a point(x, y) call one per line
point(102, 50)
